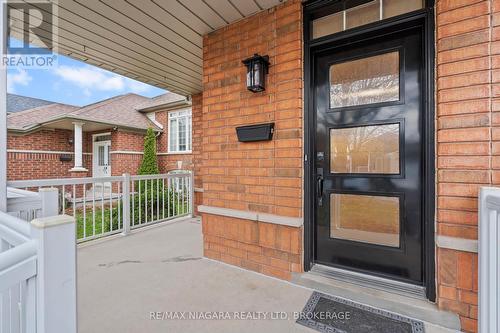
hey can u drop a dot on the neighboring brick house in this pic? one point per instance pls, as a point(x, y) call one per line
point(43, 143)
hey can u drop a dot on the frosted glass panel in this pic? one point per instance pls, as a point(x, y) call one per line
point(365, 149)
point(365, 81)
point(365, 218)
point(328, 25)
point(397, 7)
point(363, 14)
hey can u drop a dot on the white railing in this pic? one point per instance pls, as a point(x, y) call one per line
point(17, 276)
point(26, 205)
point(489, 260)
point(37, 275)
point(110, 205)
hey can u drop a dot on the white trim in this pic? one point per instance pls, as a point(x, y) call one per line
point(254, 216)
point(52, 221)
point(455, 243)
point(131, 152)
point(100, 134)
point(78, 169)
point(43, 151)
point(152, 116)
point(95, 156)
point(189, 152)
point(3, 110)
point(488, 260)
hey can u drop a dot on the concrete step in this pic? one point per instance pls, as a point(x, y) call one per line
point(435, 320)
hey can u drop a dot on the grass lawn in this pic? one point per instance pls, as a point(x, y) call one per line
point(102, 225)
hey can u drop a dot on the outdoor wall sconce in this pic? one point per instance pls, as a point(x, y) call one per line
point(257, 68)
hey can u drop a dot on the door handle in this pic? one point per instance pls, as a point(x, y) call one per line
point(319, 189)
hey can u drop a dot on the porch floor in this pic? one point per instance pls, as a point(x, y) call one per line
point(162, 269)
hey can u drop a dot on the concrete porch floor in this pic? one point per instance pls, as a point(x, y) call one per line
point(122, 279)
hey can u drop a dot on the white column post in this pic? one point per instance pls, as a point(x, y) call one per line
point(78, 146)
point(56, 274)
point(489, 260)
point(50, 201)
point(126, 204)
point(3, 108)
point(191, 193)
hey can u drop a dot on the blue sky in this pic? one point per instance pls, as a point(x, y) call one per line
point(73, 82)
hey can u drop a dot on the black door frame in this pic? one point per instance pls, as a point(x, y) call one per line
point(317, 8)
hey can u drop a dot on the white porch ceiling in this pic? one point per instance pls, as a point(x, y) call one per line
point(159, 42)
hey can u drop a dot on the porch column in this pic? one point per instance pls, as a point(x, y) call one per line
point(3, 111)
point(78, 142)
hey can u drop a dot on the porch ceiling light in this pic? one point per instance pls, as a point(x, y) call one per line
point(257, 68)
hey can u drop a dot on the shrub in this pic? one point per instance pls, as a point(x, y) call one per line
point(165, 203)
point(149, 164)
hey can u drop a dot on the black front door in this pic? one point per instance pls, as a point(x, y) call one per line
point(368, 156)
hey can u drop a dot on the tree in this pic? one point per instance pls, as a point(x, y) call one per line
point(149, 164)
point(157, 198)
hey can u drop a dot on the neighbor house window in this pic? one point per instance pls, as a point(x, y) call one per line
point(179, 129)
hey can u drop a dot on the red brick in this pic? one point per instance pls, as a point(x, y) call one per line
point(468, 324)
point(464, 271)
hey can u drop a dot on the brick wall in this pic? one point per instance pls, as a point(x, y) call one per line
point(261, 176)
point(126, 162)
point(467, 77)
point(265, 177)
point(262, 247)
point(29, 165)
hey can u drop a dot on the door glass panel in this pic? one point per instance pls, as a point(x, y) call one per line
point(328, 25)
point(364, 81)
point(365, 149)
point(108, 158)
point(100, 138)
point(362, 14)
point(365, 218)
point(397, 7)
point(100, 156)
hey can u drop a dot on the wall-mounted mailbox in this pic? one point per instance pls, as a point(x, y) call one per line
point(65, 157)
point(251, 133)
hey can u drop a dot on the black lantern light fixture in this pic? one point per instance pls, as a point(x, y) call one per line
point(257, 68)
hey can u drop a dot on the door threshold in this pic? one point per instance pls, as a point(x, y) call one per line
point(359, 288)
point(370, 281)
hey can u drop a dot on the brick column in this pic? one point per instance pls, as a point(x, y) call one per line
point(465, 123)
point(256, 184)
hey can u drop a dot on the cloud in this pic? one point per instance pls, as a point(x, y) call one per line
point(91, 79)
point(87, 77)
point(21, 77)
point(136, 86)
